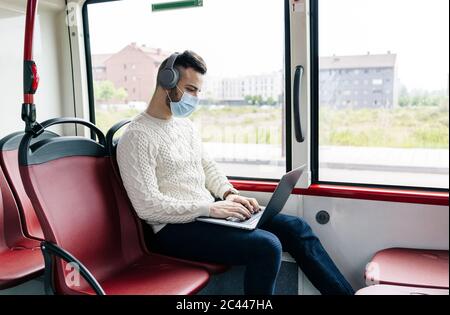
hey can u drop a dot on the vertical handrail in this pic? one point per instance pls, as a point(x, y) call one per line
point(28, 45)
point(30, 73)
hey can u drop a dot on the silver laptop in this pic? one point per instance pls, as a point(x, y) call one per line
point(275, 205)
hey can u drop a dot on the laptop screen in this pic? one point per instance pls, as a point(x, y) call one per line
point(282, 193)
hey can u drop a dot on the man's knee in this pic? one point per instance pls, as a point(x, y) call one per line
point(267, 244)
point(298, 226)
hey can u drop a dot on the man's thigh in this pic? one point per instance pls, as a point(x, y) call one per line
point(210, 242)
point(288, 228)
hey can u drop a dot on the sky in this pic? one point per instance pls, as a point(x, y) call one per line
point(214, 31)
point(239, 37)
point(416, 30)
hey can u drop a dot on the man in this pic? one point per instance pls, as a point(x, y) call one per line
point(171, 181)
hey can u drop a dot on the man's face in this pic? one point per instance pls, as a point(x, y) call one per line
point(190, 82)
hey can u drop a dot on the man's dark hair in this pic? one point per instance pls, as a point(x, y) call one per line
point(187, 59)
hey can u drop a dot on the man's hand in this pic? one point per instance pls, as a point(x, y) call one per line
point(250, 203)
point(227, 208)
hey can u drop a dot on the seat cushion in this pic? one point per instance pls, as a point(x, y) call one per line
point(210, 267)
point(410, 267)
point(19, 265)
point(154, 275)
point(381, 289)
point(149, 239)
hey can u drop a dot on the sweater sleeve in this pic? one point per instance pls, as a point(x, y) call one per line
point(136, 157)
point(215, 179)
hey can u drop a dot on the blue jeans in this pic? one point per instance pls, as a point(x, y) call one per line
point(259, 250)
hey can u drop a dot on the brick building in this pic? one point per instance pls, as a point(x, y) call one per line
point(133, 68)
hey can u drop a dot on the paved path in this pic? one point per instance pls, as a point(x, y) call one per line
point(434, 161)
point(383, 166)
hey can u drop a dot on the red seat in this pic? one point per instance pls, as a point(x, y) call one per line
point(20, 257)
point(111, 144)
point(155, 275)
point(69, 181)
point(410, 267)
point(9, 161)
point(399, 290)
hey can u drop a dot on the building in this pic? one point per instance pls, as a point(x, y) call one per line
point(235, 90)
point(134, 68)
point(364, 81)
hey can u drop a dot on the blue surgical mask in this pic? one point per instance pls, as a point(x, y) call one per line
point(185, 106)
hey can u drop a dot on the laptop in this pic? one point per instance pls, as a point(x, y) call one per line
point(275, 205)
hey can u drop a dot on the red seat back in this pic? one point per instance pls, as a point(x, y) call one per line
point(9, 146)
point(11, 234)
point(2, 225)
point(410, 267)
point(69, 181)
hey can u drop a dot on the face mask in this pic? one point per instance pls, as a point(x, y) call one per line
point(185, 106)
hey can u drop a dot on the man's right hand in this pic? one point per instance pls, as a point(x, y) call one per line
point(225, 209)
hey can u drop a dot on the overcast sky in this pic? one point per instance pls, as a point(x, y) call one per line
point(239, 37)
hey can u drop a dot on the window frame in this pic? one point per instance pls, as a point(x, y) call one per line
point(314, 90)
point(287, 87)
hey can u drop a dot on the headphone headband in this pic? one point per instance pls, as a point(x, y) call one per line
point(171, 62)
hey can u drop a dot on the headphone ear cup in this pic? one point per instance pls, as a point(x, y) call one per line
point(168, 78)
point(165, 78)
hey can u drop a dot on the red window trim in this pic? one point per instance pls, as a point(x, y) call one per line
point(352, 192)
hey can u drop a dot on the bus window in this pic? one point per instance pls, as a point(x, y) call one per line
point(241, 117)
point(382, 92)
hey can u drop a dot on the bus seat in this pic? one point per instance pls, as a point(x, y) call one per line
point(9, 147)
point(68, 180)
point(20, 257)
point(145, 229)
point(410, 267)
point(383, 289)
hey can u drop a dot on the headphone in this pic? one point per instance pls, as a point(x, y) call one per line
point(169, 76)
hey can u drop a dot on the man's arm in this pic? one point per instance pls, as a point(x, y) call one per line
point(219, 185)
point(136, 157)
point(216, 181)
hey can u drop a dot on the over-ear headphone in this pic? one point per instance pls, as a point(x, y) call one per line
point(169, 76)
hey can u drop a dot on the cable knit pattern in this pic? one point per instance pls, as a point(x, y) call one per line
point(168, 176)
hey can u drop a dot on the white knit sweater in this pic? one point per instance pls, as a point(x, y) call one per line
point(168, 176)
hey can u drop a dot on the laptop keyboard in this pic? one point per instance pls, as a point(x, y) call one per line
point(248, 221)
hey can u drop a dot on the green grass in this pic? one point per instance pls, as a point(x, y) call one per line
point(240, 124)
point(412, 127)
point(104, 119)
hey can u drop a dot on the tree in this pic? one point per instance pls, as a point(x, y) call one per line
point(249, 100)
point(417, 98)
point(271, 101)
point(105, 91)
point(258, 100)
point(404, 99)
point(121, 94)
